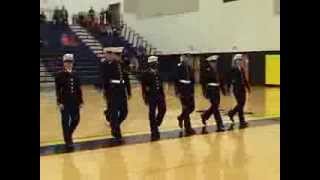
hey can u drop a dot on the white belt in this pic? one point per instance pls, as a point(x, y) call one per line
point(117, 81)
point(184, 81)
point(213, 84)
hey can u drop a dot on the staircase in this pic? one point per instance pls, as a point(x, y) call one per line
point(86, 59)
point(94, 45)
point(88, 53)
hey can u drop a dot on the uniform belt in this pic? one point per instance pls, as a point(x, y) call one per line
point(213, 84)
point(116, 81)
point(184, 81)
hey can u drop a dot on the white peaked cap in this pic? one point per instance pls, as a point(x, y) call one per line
point(113, 49)
point(68, 57)
point(152, 59)
point(237, 56)
point(212, 58)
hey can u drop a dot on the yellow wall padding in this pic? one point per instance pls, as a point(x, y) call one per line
point(272, 70)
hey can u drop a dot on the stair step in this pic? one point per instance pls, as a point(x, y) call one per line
point(46, 78)
point(81, 33)
point(97, 52)
point(44, 73)
point(47, 82)
point(90, 40)
point(77, 31)
point(85, 37)
point(100, 55)
point(75, 27)
point(96, 47)
point(94, 44)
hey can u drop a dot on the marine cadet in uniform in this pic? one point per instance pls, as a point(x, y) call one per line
point(240, 85)
point(69, 98)
point(184, 88)
point(103, 68)
point(117, 90)
point(211, 86)
point(153, 95)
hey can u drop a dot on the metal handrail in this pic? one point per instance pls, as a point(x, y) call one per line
point(135, 39)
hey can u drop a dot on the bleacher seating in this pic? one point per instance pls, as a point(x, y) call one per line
point(86, 63)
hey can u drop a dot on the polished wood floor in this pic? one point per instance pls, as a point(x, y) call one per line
point(249, 154)
point(263, 102)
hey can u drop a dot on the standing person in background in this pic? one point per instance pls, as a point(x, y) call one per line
point(91, 15)
point(211, 86)
point(74, 19)
point(109, 16)
point(240, 85)
point(64, 15)
point(56, 14)
point(153, 95)
point(102, 16)
point(69, 98)
point(184, 87)
point(43, 17)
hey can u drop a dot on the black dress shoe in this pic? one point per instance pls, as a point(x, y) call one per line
point(231, 127)
point(155, 137)
point(190, 131)
point(116, 134)
point(69, 147)
point(220, 128)
point(203, 120)
point(243, 125)
point(180, 134)
point(204, 130)
point(180, 121)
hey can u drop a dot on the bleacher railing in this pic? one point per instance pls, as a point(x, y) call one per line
point(135, 39)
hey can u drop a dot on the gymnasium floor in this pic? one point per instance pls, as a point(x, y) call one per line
point(248, 154)
point(262, 102)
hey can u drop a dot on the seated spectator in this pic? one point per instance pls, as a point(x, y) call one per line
point(115, 32)
point(81, 19)
point(109, 30)
point(65, 41)
point(103, 29)
point(95, 27)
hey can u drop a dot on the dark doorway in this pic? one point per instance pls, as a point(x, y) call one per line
point(115, 14)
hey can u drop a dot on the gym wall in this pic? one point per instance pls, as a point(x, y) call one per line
point(248, 26)
point(202, 25)
point(244, 25)
point(264, 66)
